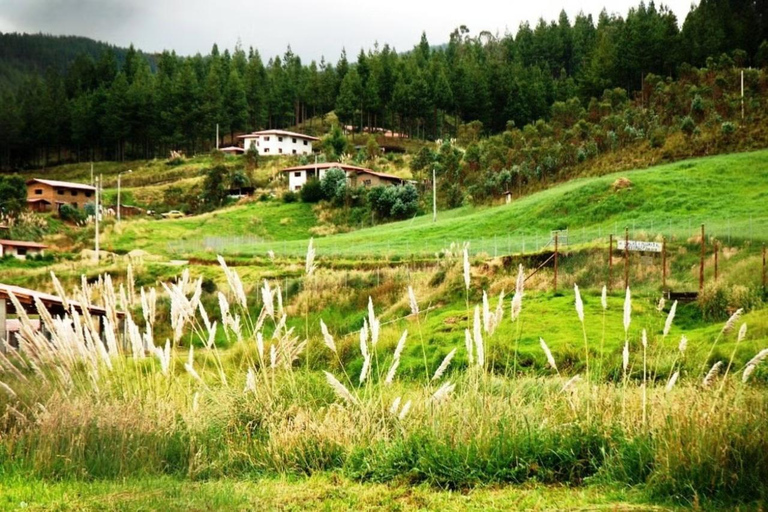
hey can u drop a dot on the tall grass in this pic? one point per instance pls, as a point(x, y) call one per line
point(112, 403)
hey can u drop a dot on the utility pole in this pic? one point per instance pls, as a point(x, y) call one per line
point(701, 261)
point(96, 219)
point(91, 173)
point(434, 196)
point(626, 258)
point(663, 264)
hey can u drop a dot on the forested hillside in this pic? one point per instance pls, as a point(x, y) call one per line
point(117, 106)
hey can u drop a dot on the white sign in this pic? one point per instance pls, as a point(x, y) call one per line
point(640, 246)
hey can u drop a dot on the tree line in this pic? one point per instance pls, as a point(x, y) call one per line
point(120, 106)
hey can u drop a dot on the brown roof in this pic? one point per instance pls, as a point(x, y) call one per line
point(21, 243)
point(54, 304)
point(283, 133)
point(346, 167)
point(61, 184)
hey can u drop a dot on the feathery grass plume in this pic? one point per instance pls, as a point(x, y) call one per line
point(570, 385)
point(548, 353)
point(364, 339)
point(271, 254)
point(400, 345)
point(267, 298)
point(5, 387)
point(758, 357)
point(392, 370)
point(579, 303)
point(164, 356)
point(189, 365)
point(671, 382)
point(479, 346)
point(499, 314)
point(644, 338)
point(395, 406)
point(661, 304)
point(742, 332)
point(442, 393)
point(235, 284)
point(260, 345)
point(604, 298)
point(728, 327)
point(327, 338)
point(486, 313)
point(683, 344)
point(748, 373)
point(466, 268)
point(469, 346)
point(627, 312)
point(60, 290)
point(712, 374)
point(625, 357)
point(250, 381)
point(339, 388)
point(404, 411)
point(444, 365)
point(412, 302)
point(373, 323)
point(366, 368)
point(310, 263)
point(670, 318)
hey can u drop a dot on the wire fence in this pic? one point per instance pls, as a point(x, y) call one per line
point(425, 241)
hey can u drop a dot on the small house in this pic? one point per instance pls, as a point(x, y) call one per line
point(20, 249)
point(50, 195)
point(356, 176)
point(278, 142)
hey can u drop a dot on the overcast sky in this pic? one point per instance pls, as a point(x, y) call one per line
point(312, 28)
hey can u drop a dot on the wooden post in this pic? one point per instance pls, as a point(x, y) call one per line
point(626, 258)
point(663, 264)
point(764, 269)
point(610, 261)
point(555, 283)
point(716, 248)
point(3, 331)
point(701, 260)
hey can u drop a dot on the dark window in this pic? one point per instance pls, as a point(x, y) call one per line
point(294, 140)
point(266, 150)
point(21, 251)
point(279, 139)
point(60, 192)
point(367, 183)
point(73, 192)
point(305, 143)
point(297, 174)
point(297, 187)
point(38, 191)
point(88, 194)
point(294, 151)
point(280, 150)
point(266, 139)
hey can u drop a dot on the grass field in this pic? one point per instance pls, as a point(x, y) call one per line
point(727, 193)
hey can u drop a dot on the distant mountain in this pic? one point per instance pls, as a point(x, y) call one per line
point(22, 55)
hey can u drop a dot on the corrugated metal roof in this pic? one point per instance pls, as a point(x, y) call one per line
point(61, 184)
point(283, 133)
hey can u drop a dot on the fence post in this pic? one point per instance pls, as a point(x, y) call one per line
point(663, 264)
point(610, 261)
point(701, 261)
point(764, 277)
point(555, 282)
point(716, 249)
point(626, 258)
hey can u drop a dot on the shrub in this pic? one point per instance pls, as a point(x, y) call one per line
point(69, 214)
point(727, 128)
point(334, 185)
point(687, 125)
point(312, 191)
point(290, 197)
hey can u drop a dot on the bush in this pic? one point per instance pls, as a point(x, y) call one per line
point(334, 185)
point(70, 214)
point(687, 125)
point(290, 197)
point(394, 202)
point(727, 128)
point(312, 191)
point(717, 299)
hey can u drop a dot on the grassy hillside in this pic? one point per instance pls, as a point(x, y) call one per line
point(727, 193)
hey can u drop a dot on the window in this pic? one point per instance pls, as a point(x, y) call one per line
point(279, 139)
point(38, 191)
point(73, 192)
point(294, 151)
point(60, 192)
point(21, 251)
point(305, 143)
point(74, 205)
point(280, 150)
point(297, 187)
point(88, 193)
point(297, 174)
point(367, 183)
point(266, 139)
point(294, 140)
point(266, 150)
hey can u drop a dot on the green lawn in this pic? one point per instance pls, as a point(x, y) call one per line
point(321, 492)
point(728, 193)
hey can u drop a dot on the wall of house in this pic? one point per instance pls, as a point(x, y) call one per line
point(368, 180)
point(73, 197)
point(272, 145)
point(19, 252)
point(296, 180)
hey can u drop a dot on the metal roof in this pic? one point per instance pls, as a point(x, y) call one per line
point(61, 184)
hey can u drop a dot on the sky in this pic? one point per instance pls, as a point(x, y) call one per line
point(312, 28)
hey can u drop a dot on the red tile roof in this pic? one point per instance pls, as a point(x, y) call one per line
point(21, 243)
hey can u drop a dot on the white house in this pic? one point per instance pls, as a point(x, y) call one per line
point(356, 176)
point(20, 250)
point(278, 142)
